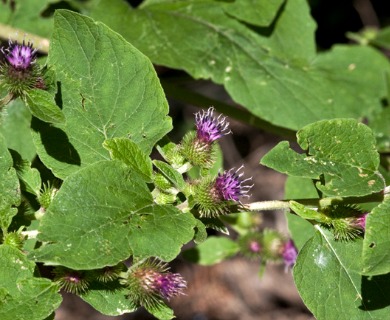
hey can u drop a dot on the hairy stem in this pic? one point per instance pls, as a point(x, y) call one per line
point(285, 204)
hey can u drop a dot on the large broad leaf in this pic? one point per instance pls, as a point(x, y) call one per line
point(9, 187)
point(342, 152)
point(24, 297)
point(15, 126)
point(274, 72)
point(376, 254)
point(108, 298)
point(103, 214)
point(128, 152)
point(108, 89)
point(327, 277)
point(42, 105)
point(260, 13)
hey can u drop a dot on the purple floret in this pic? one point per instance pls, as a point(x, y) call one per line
point(209, 128)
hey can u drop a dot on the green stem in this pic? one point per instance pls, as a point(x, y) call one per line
point(285, 204)
point(7, 32)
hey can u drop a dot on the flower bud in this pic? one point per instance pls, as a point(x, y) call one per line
point(251, 244)
point(72, 281)
point(273, 243)
point(347, 222)
point(109, 273)
point(209, 128)
point(149, 283)
point(19, 72)
point(14, 239)
point(198, 148)
point(214, 196)
point(47, 195)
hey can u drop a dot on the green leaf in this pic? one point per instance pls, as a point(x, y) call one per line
point(170, 173)
point(24, 297)
point(327, 270)
point(30, 177)
point(381, 129)
point(305, 212)
point(212, 251)
point(87, 224)
point(130, 153)
point(36, 300)
point(376, 255)
point(9, 187)
point(16, 118)
point(161, 311)
point(109, 299)
point(200, 232)
point(27, 17)
point(300, 229)
point(160, 231)
point(259, 13)
point(42, 105)
point(342, 151)
point(104, 213)
point(274, 72)
point(108, 89)
point(14, 266)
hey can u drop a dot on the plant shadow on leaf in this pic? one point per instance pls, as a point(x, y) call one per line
point(268, 30)
point(108, 287)
point(375, 292)
point(52, 138)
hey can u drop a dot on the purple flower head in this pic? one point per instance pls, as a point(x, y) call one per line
point(169, 285)
point(254, 246)
point(150, 282)
point(209, 128)
point(361, 221)
point(230, 186)
point(20, 56)
point(289, 253)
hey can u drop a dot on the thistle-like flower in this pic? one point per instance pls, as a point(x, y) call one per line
point(18, 71)
point(169, 284)
point(150, 283)
point(347, 222)
point(213, 197)
point(209, 128)
point(14, 239)
point(20, 56)
point(289, 253)
point(109, 273)
point(251, 244)
point(73, 281)
point(361, 221)
point(198, 148)
point(230, 186)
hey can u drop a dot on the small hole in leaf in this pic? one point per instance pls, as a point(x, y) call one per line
point(372, 245)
